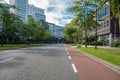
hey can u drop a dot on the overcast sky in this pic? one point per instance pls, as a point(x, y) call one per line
point(55, 10)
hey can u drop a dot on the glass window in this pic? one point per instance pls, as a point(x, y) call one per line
point(104, 24)
point(108, 23)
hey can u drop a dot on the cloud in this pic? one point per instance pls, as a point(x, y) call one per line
point(55, 10)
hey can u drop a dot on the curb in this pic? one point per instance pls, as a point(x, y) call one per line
point(103, 62)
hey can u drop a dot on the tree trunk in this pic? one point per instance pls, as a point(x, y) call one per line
point(119, 26)
point(85, 38)
point(1, 41)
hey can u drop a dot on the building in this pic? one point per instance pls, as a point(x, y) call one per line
point(45, 25)
point(59, 32)
point(22, 10)
point(56, 31)
point(109, 30)
point(7, 9)
point(51, 28)
point(36, 12)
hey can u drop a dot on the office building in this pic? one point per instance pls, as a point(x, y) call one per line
point(22, 10)
point(109, 30)
point(51, 28)
point(56, 31)
point(36, 12)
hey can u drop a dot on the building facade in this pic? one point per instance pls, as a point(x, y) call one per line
point(51, 28)
point(59, 32)
point(36, 12)
point(7, 8)
point(56, 31)
point(22, 10)
point(108, 31)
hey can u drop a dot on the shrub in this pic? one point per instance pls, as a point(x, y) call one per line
point(100, 43)
point(115, 44)
point(83, 42)
point(73, 44)
point(112, 44)
point(79, 46)
point(78, 42)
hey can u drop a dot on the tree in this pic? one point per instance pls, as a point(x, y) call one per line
point(70, 33)
point(83, 18)
point(114, 5)
point(39, 31)
point(8, 19)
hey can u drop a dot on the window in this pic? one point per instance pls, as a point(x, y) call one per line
point(108, 23)
point(104, 24)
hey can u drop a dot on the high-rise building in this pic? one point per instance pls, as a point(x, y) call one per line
point(36, 12)
point(22, 10)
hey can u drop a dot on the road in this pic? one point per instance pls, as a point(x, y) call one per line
point(37, 63)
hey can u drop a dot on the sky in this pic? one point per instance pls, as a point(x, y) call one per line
point(55, 10)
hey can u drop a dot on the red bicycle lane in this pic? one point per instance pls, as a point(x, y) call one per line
point(89, 69)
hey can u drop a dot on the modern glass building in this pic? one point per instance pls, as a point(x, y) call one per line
point(22, 10)
point(36, 12)
point(56, 31)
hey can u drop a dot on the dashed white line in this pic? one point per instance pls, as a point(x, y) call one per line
point(67, 52)
point(74, 68)
point(69, 57)
point(6, 60)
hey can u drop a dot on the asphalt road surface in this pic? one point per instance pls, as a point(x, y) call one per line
point(37, 63)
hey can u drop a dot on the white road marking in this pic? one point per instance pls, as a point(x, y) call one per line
point(69, 57)
point(67, 52)
point(6, 60)
point(74, 68)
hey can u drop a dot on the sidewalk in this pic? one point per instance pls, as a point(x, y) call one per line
point(107, 47)
point(89, 69)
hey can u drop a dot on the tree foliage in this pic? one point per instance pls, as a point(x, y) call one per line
point(83, 17)
point(114, 6)
point(70, 33)
point(16, 31)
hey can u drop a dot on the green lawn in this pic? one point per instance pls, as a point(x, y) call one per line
point(13, 46)
point(109, 55)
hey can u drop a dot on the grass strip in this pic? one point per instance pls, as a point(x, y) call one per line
point(16, 46)
point(109, 55)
